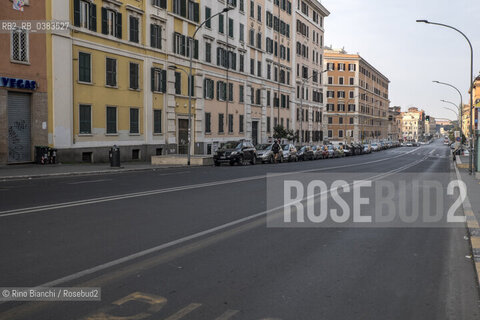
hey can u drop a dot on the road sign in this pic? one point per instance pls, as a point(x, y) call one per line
point(458, 139)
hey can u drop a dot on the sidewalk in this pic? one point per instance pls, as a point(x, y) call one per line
point(471, 208)
point(30, 171)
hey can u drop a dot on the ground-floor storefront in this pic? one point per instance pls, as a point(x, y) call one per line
point(23, 123)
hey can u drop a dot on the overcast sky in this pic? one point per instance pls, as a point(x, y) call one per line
point(411, 54)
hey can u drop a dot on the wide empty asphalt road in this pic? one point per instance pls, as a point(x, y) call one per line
point(193, 243)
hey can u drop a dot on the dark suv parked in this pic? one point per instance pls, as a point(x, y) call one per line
point(240, 152)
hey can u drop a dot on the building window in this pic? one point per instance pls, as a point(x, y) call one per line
point(220, 123)
point(208, 52)
point(330, 133)
point(156, 36)
point(134, 121)
point(241, 93)
point(134, 31)
point(111, 120)
point(85, 119)
point(230, 123)
point(160, 3)
point(269, 123)
point(19, 43)
point(111, 69)
point(111, 23)
point(181, 45)
point(157, 121)
point(85, 14)
point(159, 80)
point(178, 83)
point(208, 89)
point(252, 37)
point(208, 14)
point(84, 67)
point(242, 63)
point(242, 32)
point(330, 120)
point(230, 28)
point(220, 23)
point(259, 13)
point(208, 122)
point(340, 133)
point(230, 92)
point(240, 123)
point(134, 76)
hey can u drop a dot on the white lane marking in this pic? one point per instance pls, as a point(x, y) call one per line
point(227, 315)
point(183, 312)
point(89, 181)
point(15, 212)
point(200, 234)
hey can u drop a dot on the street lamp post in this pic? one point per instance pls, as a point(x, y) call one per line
point(190, 84)
point(472, 133)
point(461, 101)
point(456, 112)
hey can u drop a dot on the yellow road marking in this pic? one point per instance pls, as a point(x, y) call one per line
point(475, 242)
point(183, 312)
point(156, 303)
point(472, 224)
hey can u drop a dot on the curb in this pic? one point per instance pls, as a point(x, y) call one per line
point(473, 228)
point(82, 173)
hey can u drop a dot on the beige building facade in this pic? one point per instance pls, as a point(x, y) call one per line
point(357, 99)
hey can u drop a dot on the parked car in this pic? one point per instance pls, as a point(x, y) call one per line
point(240, 152)
point(264, 153)
point(358, 148)
point(332, 152)
point(375, 147)
point(409, 144)
point(305, 153)
point(289, 152)
point(325, 152)
point(340, 152)
point(317, 152)
point(348, 150)
point(367, 148)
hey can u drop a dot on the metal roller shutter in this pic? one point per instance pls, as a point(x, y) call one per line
point(19, 127)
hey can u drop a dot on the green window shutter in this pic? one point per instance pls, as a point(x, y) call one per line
point(183, 8)
point(76, 13)
point(93, 17)
point(104, 21)
point(196, 12)
point(208, 14)
point(118, 27)
point(152, 78)
point(153, 43)
point(195, 49)
point(164, 80)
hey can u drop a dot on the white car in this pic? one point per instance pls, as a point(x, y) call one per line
point(409, 144)
point(375, 147)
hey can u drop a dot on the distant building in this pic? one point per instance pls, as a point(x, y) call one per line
point(430, 125)
point(413, 124)
point(357, 98)
point(394, 123)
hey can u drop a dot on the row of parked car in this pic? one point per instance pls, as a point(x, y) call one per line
point(243, 152)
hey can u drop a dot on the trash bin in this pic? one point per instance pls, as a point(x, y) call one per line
point(114, 156)
point(52, 155)
point(41, 154)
